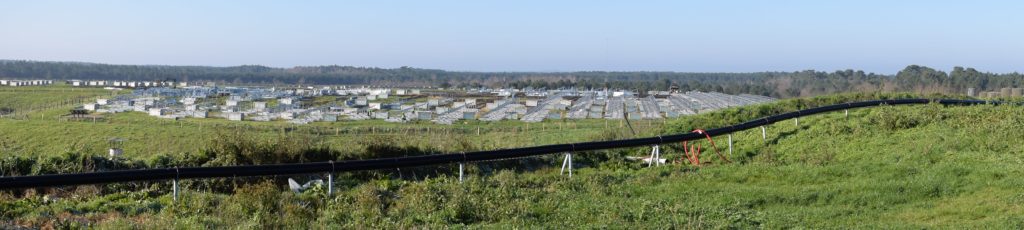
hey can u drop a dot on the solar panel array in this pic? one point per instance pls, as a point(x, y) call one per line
point(253, 104)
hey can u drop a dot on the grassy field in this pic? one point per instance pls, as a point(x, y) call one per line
point(148, 136)
point(37, 99)
point(922, 166)
point(42, 133)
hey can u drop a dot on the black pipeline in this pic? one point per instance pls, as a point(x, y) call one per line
point(399, 162)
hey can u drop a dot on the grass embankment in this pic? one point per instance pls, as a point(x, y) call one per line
point(921, 166)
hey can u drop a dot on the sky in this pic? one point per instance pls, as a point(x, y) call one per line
point(524, 35)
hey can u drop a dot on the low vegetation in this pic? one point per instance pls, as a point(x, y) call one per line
point(920, 166)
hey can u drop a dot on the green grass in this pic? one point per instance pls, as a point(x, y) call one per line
point(42, 133)
point(146, 136)
point(921, 166)
point(32, 100)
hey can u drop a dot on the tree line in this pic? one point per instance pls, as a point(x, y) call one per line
point(913, 78)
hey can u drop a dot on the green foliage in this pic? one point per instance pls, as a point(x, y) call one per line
point(916, 166)
point(238, 148)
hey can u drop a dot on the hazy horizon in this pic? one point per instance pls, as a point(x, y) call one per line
point(533, 36)
point(472, 71)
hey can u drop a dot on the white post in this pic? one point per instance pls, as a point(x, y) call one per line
point(654, 156)
point(567, 162)
point(174, 184)
point(570, 165)
point(764, 134)
point(330, 183)
point(847, 112)
point(730, 144)
point(796, 121)
point(460, 172)
point(657, 154)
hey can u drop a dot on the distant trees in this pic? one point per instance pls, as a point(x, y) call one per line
point(913, 78)
point(921, 79)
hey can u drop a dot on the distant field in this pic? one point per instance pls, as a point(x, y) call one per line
point(43, 134)
point(31, 99)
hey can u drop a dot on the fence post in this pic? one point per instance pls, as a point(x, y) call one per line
point(730, 144)
point(174, 184)
point(655, 156)
point(330, 180)
point(764, 134)
point(567, 162)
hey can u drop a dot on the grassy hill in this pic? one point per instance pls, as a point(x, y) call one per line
point(921, 166)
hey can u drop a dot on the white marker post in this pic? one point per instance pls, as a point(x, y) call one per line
point(655, 156)
point(657, 150)
point(567, 162)
point(764, 134)
point(330, 180)
point(730, 145)
point(174, 185)
point(330, 183)
point(460, 172)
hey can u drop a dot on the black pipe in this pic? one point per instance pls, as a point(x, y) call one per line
point(414, 161)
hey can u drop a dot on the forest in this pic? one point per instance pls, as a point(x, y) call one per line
point(913, 78)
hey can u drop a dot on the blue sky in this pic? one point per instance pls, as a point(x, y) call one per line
point(687, 36)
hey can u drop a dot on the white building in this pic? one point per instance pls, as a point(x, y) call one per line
point(157, 112)
point(287, 115)
point(200, 114)
point(236, 116)
point(424, 115)
point(329, 118)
